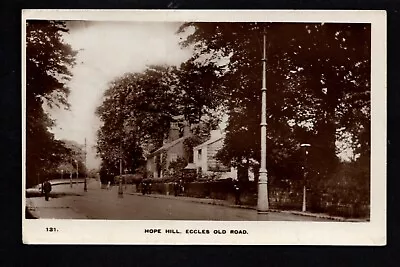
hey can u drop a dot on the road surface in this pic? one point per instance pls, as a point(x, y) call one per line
point(106, 204)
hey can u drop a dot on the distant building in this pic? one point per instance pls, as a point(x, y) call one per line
point(172, 149)
point(205, 161)
point(201, 158)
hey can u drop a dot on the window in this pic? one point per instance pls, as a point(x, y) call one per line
point(181, 130)
point(199, 155)
point(173, 157)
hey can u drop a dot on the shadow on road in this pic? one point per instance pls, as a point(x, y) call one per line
point(28, 214)
point(31, 194)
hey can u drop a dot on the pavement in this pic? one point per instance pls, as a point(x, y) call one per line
point(226, 203)
point(37, 207)
point(97, 203)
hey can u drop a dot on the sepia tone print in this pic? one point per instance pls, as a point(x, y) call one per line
point(218, 121)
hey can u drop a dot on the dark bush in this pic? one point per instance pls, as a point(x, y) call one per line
point(346, 192)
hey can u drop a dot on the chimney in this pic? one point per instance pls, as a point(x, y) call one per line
point(173, 132)
point(215, 134)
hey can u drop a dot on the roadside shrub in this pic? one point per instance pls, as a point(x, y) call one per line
point(209, 177)
point(346, 192)
point(129, 178)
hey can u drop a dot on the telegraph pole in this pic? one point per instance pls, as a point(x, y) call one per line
point(85, 182)
point(262, 201)
point(77, 171)
point(120, 191)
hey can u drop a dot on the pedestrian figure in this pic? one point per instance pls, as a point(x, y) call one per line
point(144, 187)
point(236, 189)
point(176, 188)
point(108, 185)
point(181, 188)
point(47, 189)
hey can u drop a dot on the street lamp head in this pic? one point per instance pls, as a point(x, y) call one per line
point(305, 145)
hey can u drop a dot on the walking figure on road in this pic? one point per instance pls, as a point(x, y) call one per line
point(178, 187)
point(108, 185)
point(144, 187)
point(47, 189)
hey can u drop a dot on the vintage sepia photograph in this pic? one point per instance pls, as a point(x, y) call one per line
point(167, 121)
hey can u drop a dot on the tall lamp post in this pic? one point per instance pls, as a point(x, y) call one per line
point(305, 147)
point(125, 172)
point(84, 181)
point(262, 201)
point(84, 184)
point(120, 190)
point(77, 170)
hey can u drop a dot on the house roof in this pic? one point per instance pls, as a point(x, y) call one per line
point(209, 141)
point(168, 145)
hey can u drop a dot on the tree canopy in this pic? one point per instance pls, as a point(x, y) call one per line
point(318, 92)
point(48, 63)
point(318, 89)
point(138, 109)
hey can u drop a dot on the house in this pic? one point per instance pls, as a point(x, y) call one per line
point(205, 161)
point(159, 160)
point(165, 155)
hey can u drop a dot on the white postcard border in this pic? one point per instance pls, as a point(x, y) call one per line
point(282, 233)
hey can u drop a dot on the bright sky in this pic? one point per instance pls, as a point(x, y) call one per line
point(108, 50)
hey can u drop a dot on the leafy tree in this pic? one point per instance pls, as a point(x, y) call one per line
point(136, 113)
point(48, 63)
point(198, 89)
point(317, 85)
point(138, 109)
point(75, 156)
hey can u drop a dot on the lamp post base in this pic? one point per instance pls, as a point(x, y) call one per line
point(303, 209)
point(262, 212)
point(262, 200)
